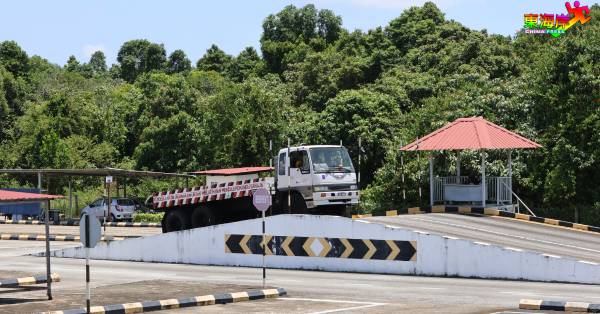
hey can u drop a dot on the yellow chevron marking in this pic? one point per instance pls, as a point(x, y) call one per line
point(306, 246)
point(348, 250)
point(205, 300)
point(240, 296)
point(4, 236)
point(438, 209)
point(227, 250)
point(551, 221)
point(371, 251)
point(580, 227)
point(41, 237)
point(97, 309)
point(55, 277)
point(169, 304)
point(133, 307)
point(521, 216)
point(243, 243)
point(60, 238)
point(286, 246)
point(270, 293)
point(414, 245)
point(23, 236)
point(527, 304)
point(26, 281)
point(464, 210)
point(491, 212)
point(391, 212)
point(414, 210)
point(576, 306)
point(265, 244)
point(395, 250)
point(326, 247)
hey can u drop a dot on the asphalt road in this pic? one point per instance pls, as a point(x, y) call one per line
point(514, 233)
point(309, 291)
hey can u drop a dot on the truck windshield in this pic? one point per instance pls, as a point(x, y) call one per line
point(331, 159)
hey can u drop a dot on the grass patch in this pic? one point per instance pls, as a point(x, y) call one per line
point(143, 217)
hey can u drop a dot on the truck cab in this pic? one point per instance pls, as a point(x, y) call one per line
point(316, 178)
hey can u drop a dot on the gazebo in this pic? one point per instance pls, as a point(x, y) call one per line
point(471, 134)
point(12, 197)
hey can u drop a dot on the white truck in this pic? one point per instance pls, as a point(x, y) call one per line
point(317, 179)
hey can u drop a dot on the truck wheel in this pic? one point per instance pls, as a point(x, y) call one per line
point(203, 216)
point(298, 204)
point(176, 220)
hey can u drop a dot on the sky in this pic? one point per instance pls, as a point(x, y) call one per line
point(60, 28)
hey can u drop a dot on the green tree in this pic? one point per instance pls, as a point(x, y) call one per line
point(140, 56)
point(73, 65)
point(248, 63)
point(178, 62)
point(214, 59)
point(13, 58)
point(98, 63)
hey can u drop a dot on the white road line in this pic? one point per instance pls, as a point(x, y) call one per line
point(507, 235)
point(363, 305)
point(348, 308)
point(331, 301)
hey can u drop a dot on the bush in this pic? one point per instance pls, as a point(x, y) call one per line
point(148, 217)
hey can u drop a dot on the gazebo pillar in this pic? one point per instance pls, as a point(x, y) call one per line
point(458, 167)
point(510, 175)
point(431, 183)
point(483, 191)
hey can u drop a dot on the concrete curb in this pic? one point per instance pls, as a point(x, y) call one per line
point(76, 223)
point(65, 238)
point(147, 306)
point(545, 305)
point(487, 212)
point(27, 281)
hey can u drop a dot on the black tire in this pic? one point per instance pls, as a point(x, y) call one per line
point(204, 216)
point(176, 220)
point(298, 204)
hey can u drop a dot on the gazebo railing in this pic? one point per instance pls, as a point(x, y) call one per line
point(439, 182)
point(496, 188)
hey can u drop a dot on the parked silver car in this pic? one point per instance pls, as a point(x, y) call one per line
point(120, 209)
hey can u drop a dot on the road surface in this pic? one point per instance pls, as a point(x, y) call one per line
point(514, 233)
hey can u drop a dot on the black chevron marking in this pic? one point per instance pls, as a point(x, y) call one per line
point(233, 243)
point(296, 246)
point(383, 249)
point(407, 250)
point(360, 248)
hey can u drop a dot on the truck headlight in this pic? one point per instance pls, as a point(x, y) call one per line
point(353, 187)
point(320, 188)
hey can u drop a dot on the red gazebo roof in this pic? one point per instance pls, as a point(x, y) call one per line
point(12, 196)
point(471, 133)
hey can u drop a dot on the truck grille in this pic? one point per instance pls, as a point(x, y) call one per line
point(339, 187)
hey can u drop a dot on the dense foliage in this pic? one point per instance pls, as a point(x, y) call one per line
point(316, 82)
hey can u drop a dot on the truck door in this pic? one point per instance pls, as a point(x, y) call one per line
point(282, 166)
point(300, 171)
